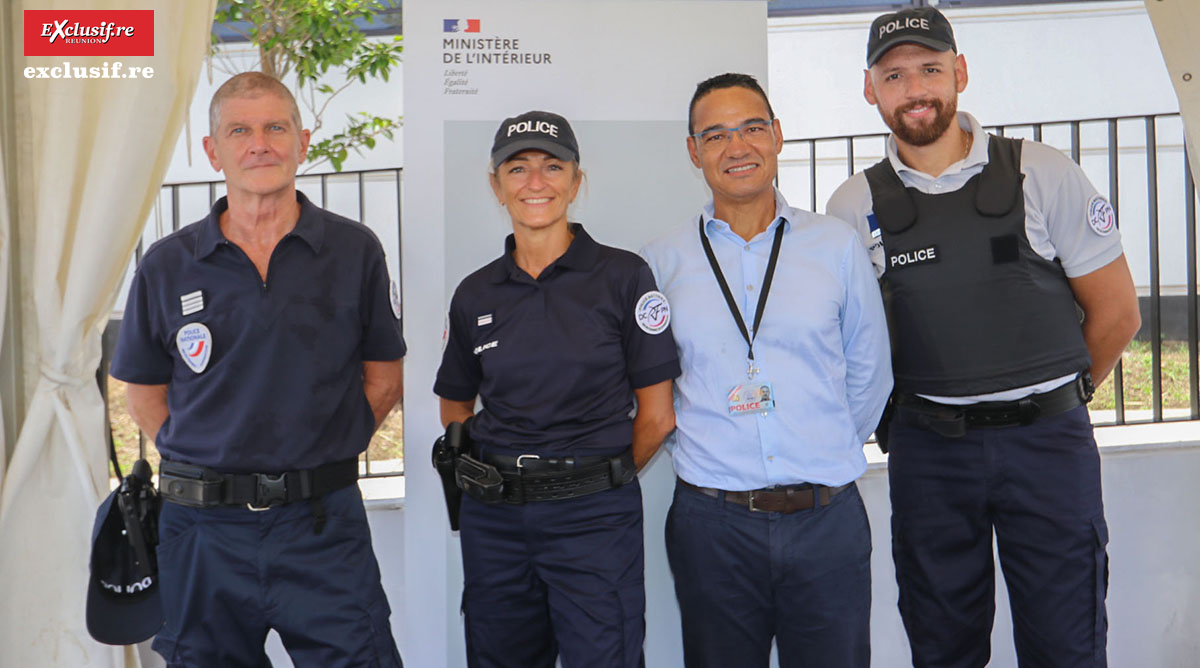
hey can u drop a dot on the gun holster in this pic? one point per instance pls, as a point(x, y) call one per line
point(883, 431)
point(447, 450)
point(481, 481)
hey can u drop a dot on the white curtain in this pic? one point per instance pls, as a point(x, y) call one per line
point(91, 154)
point(5, 249)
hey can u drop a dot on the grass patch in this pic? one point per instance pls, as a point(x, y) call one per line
point(1137, 369)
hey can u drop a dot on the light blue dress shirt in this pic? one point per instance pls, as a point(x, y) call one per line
point(823, 344)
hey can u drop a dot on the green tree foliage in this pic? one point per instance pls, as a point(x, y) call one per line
point(302, 40)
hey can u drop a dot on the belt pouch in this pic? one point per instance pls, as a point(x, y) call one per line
point(186, 485)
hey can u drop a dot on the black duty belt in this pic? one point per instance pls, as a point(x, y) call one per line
point(952, 421)
point(778, 499)
point(528, 478)
point(202, 487)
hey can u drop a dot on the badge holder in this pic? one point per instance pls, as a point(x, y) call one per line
point(752, 396)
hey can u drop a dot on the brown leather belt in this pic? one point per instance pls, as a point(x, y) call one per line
point(779, 499)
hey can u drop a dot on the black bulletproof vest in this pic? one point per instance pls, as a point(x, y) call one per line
point(971, 307)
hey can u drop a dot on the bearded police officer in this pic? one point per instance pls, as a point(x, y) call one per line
point(783, 343)
point(985, 245)
point(261, 352)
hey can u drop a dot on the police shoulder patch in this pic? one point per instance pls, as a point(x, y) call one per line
point(195, 345)
point(1100, 216)
point(653, 313)
point(394, 296)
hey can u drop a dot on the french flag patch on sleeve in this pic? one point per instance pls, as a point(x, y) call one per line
point(873, 224)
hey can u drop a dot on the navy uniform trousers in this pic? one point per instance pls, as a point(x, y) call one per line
point(555, 579)
point(744, 577)
point(230, 574)
point(1038, 488)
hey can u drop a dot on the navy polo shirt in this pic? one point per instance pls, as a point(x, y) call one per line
point(283, 387)
point(555, 359)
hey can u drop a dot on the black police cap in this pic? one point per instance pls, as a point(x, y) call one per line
point(123, 604)
point(921, 25)
point(536, 130)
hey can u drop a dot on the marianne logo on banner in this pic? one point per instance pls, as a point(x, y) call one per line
point(460, 25)
point(89, 32)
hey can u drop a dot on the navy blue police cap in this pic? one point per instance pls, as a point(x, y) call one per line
point(919, 25)
point(535, 130)
point(123, 604)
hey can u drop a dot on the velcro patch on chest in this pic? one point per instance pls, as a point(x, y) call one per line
point(1005, 249)
point(902, 259)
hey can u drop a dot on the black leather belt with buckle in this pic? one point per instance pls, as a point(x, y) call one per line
point(954, 420)
point(778, 499)
point(203, 487)
point(525, 478)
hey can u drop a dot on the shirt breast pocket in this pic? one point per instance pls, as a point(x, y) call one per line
point(327, 333)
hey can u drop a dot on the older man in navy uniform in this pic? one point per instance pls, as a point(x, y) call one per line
point(261, 353)
point(984, 246)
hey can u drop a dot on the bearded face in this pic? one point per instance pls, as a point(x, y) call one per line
point(916, 91)
point(922, 132)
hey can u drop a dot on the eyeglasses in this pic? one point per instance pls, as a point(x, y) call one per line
point(758, 131)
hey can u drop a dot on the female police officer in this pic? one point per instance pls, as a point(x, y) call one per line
point(557, 337)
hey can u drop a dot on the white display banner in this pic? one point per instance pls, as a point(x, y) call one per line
point(623, 72)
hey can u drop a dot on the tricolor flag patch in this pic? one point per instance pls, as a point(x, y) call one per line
point(460, 25)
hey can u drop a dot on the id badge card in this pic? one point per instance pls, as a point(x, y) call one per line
point(751, 398)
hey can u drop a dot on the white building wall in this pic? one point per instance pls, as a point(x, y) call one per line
point(1028, 63)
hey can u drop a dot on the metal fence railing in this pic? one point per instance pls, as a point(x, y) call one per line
point(370, 196)
point(1151, 187)
point(1146, 178)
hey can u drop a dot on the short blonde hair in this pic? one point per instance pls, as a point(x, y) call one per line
point(249, 84)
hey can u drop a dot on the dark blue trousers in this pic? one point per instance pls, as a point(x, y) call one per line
point(228, 575)
point(555, 579)
point(1038, 488)
point(743, 578)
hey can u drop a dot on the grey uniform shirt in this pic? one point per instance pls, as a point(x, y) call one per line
point(1065, 217)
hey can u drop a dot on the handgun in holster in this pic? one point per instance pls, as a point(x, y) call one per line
point(139, 504)
point(882, 431)
point(447, 450)
point(481, 481)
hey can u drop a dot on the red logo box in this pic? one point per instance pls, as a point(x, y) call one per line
point(89, 32)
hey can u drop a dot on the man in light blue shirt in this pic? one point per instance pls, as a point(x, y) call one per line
point(783, 342)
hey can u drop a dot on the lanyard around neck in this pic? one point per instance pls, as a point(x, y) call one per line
point(749, 336)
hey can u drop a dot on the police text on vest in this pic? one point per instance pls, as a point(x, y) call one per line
point(908, 258)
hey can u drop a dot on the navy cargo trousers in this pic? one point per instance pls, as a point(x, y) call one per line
point(1037, 487)
point(554, 579)
point(231, 574)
